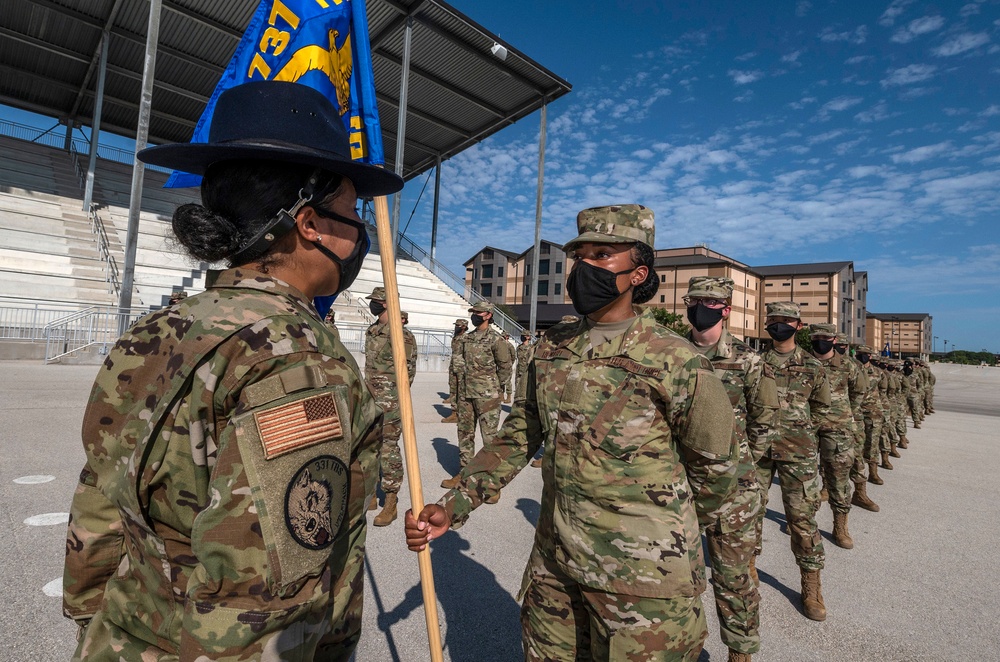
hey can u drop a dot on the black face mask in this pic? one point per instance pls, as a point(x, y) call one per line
point(591, 288)
point(702, 317)
point(350, 267)
point(377, 307)
point(822, 346)
point(458, 331)
point(864, 358)
point(477, 320)
point(840, 349)
point(907, 371)
point(780, 331)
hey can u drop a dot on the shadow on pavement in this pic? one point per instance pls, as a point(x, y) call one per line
point(779, 519)
point(482, 620)
point(530, 509)
point(447, 454)
point(790, 594)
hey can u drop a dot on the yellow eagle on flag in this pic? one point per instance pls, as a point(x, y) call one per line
point(336, 63)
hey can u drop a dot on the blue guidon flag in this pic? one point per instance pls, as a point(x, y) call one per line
point(319, 43)
point(886, 351)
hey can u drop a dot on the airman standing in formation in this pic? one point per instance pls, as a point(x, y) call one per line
point(455, 370)
point(505, 387)
point(732, 537)
point(793, 454)
point(486, 363)
point(380, 374)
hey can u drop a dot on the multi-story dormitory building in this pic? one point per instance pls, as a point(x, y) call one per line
point(828, 292)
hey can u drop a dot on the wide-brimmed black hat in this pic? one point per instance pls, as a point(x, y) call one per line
point(276, 121)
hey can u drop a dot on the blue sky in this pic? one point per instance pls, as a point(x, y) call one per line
point(777, 132)
point(774, 132)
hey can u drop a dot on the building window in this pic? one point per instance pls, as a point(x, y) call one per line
point(824, 282)
point(475, 274)
point(804, 283)
point(768, 284)
point(486, 289)
point(803, 305)
point(487, 254)
point(822, 303)
point(543, 267)
point(663, 279)
point(499, 290)
point(558, 267)
point(487, 271)
point(663, 299)
point(525, 290)
point(786, 284)
point(558, 289)
point(499, 272)
point(527, 269)
point(543, 288)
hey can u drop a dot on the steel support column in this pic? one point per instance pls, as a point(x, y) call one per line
point(437, 197)
point(95, 125)
point(538, 223)
point(404, 88)
point(138, 168)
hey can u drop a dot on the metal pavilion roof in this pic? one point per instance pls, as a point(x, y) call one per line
point(458, 92)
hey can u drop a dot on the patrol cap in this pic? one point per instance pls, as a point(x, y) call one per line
point(783, 309)
point(461, 321)
point(823, 330)
point(710, 287)
point(616, 224)
point(842, 339)
point(179, 294)
point(378, 294)
point(865, 349)
point(482, 307)
point(404, 315)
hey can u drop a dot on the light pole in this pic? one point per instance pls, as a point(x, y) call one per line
point(945, 346)
point(934, 345)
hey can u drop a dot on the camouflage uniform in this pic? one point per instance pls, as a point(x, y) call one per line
point(231, 450)
point(639, 450)
point(804, 397)
point(887, 389)
point(732, 537)
point(486, 362)
point(524, 352)
point(837, 431)
point(929, 391)
point(331, 323)
point(455, 366)
point(914, 395)
point(872, 413)
point(381, 377)
point(505, 386)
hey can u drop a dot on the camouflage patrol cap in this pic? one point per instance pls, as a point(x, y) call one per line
point(378, 294)
point(783, 309)
point(710, 287)
point(823, 330)
point(461, 321)
point(865, 349)
point(842, 339)
point(404, 315)
point(616, 224)
point(569, 319)
point(179, 294)
point(482, 307)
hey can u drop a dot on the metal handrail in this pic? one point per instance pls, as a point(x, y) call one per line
point(99, 326)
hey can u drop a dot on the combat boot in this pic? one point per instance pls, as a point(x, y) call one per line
point(892, 450)
point(873, 476)
point(451, 483)
point(735, 656)
point(753, 570)
point(904, 443)
point(860, 498)
point(824, 495)
point(536, 463)
point(885, 461)
point(388, 514)
point(916, 426)
point(812, 596)
point(453, 418)
point(374, 504)
point(841, 536)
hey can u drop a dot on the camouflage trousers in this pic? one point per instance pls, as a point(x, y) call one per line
point(453, 386)
point(800, 496)
point(900, 420)
point(915, 406)
point(837, 466)
point(928, 400)
point(563, 620)
point(873, 435)
point(485, 411)
point(889, 434)
point(390, 459)
point(732, 541)
point(859, 470)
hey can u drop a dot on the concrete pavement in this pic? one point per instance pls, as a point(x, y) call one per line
point(917, 587)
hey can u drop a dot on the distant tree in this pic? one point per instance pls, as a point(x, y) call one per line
point(964, 357)
point(672, 321)
point(802, 339)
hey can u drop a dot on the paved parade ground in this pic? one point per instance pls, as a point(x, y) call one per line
point(918, 586)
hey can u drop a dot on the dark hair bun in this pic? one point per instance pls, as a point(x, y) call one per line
point(206, 235)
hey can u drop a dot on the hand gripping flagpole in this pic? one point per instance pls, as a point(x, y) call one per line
point(386, 245)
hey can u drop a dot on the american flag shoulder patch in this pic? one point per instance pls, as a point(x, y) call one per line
point(298, 424)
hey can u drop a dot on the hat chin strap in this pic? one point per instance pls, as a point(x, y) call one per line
point(277, 228)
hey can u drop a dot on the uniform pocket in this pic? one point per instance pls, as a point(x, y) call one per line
point(621, 427)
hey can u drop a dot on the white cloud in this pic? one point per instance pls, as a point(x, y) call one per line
point(856, 36)
point(791, 57)
point(876, 113)
point(968, 10)
point(802, 8)
point(842, 103)
point(857, 172)
point(917, 27)
point(919, 154)
point(746, 56)
point(913, 73)
point(893, 11)
point(745, 77)
point(858, 59)
point(991, 111)
point(961, 43)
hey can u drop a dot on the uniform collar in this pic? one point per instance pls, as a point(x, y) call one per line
point(242, 278)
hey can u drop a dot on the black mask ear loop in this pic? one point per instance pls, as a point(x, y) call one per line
point(280, 225)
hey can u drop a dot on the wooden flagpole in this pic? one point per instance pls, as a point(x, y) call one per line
point(386, 249)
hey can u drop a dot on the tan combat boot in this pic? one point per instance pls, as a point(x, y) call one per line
point(536, 463)
point(812, 596)
point(447, 400)
point(388, 514)
point(885, 461)
point(374, 504)
point(494, 498)
point(860, 498)
point(873, 476)
point(841, 536)
point(735, 656)
point(904, 443)
point(452, 418)
point(893, 452)
point(916, 426)
point(753, 570)
point(824, 495)
point(451, 483)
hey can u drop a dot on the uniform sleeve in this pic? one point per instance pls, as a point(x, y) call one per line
point(496, 464)
point(761, 393)
point(819, 408)
point(279, 546)
point(709, 444)
point(504, 358)
point(93, 549)
point(411, 355)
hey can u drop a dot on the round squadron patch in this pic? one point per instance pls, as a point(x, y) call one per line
point(316, 501)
